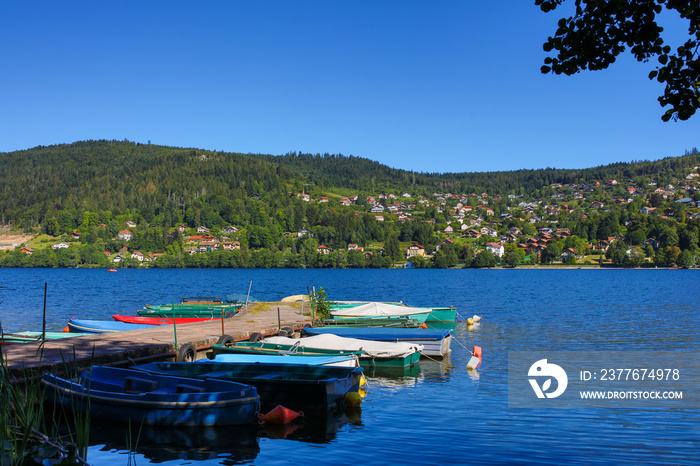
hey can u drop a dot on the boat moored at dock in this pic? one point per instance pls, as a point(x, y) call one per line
point(129, 395)
point(435, 342)
point(295, 386)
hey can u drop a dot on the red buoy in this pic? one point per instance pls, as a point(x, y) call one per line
point(280, 415)
point(477, 352)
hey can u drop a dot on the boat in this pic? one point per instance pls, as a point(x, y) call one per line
point(376, 309)
point(435, 342)
point(118, 394)
point(33, 336)
point(102, 326)
point(193, 307)
point(379, 321)
point(348, 360)
point(160, 320)
point(374, 353)
point(111, 270)
point(295, 386)
point(436, 314)
point(266, 347)
point(187, 312)
point(442, 314)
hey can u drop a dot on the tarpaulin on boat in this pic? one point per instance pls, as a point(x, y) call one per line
point(377, 349)
point(379, 309)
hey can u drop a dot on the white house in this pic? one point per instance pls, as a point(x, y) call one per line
point(61, 245)
point(126, 235)
point(496, 249)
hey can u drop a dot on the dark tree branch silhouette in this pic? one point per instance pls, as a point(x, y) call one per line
point(601, 30)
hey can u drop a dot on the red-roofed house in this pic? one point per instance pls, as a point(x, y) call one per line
point(126, 235)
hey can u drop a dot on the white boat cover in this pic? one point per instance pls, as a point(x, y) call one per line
point(375, 309)
point(373, 349)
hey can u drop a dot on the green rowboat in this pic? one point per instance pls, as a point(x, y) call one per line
point(397, 321)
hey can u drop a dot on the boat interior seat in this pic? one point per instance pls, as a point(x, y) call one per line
point(138, 385)
point(184, 388)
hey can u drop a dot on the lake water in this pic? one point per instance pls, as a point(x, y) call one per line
point(440, 413)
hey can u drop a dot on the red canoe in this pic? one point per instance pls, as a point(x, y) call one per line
point(160, 320)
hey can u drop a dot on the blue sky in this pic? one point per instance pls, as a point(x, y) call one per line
point(448, 86)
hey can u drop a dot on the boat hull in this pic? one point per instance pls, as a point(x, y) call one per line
point(442, 314)
point(137, 397)
point(30, 337)
point(295, 386)
point(262, 347)
point(102, 326)
point(435, 342)
point(187, 311)
point(396, 321)
point(160, 320)
point(383, 355)
point(282, 358)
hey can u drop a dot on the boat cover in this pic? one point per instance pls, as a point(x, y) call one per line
point(381, 333)
point(349, 361)
point(374, 349)
point(379, 309)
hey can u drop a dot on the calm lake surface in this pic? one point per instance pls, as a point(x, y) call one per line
point(439, 413)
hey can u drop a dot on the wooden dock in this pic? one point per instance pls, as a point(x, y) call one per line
point(157, 343)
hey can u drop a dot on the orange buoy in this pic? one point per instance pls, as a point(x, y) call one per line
point(280, 415)
point(424, 325)
point(67, 329)
point(477, 352)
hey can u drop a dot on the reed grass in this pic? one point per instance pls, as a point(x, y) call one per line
point(23, 421)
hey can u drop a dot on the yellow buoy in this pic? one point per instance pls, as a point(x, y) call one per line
point(353, 399)
point(362, 391)
point(470, 321)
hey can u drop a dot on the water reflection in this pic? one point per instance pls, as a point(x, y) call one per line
point(315, 427)
point(228, 444)
point(410, 372)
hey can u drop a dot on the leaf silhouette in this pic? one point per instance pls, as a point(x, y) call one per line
point(545, 386)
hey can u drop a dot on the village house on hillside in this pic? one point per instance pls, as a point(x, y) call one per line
point(415, 249)
point(125, 235)
point(496, 249)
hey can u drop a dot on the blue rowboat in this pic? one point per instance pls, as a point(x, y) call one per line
point(436, 342)
point(103, 326)
point(295, 386)
point(129, 395)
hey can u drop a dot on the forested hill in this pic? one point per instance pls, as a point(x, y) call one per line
point(121, 176)
point(366, 175)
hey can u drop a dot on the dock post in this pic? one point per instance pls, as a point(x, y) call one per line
point(174, 326)
point(43, 325)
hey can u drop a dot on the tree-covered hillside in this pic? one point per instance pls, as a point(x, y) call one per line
point(38, 184)
point(303, 210)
